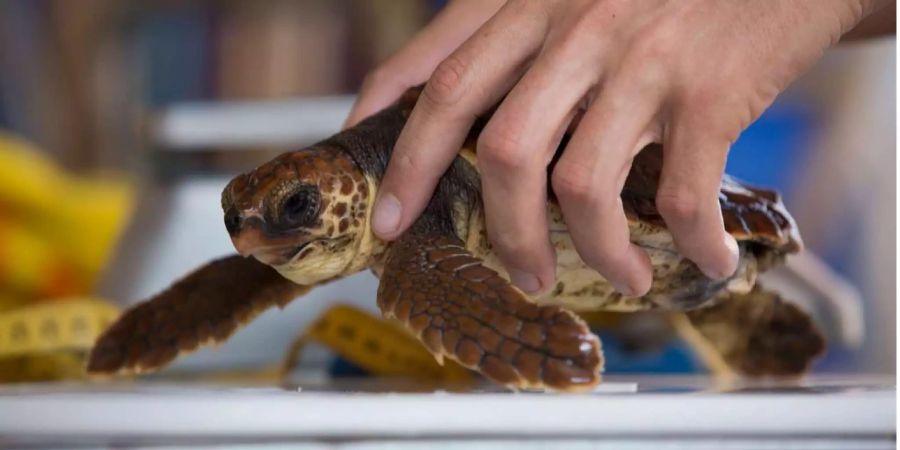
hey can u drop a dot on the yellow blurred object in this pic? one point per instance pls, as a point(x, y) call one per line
point(56, 231)
point(73, 324)
point(379, 346)
point(49, 340)
point(31, 266)
point(63, 365)
point(9, 301)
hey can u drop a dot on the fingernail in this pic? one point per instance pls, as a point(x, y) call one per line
point(734, 253)
point(525, 281)
point(386, 218)
point(726, 268)
point(623, 289)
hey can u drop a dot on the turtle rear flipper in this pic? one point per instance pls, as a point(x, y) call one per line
point(208, 305)
point(461, 309)
point(759, 334)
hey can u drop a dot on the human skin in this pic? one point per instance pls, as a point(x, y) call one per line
point(690, 74)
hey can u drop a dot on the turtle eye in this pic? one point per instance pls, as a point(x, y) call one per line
point(299, 208)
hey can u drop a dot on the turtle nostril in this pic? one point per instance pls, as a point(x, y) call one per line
point(232, 221)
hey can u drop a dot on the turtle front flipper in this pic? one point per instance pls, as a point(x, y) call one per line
point(461, 309)
point(206, 306)
point(756, 334)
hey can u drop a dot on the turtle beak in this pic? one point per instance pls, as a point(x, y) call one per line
point(245, 238)
point(245, 233)
point(251, 236)
point(248, 241)
point(248, 236)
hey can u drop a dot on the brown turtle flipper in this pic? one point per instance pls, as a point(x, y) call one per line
point(206, 306)
point(759, 334)
point(459, 308)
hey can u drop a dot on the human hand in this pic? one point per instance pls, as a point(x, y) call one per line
point(690, 74)
point(415, 62)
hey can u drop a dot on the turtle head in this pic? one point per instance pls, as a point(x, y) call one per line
point(303, 213)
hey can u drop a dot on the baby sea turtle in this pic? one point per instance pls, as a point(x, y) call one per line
point(304, 217)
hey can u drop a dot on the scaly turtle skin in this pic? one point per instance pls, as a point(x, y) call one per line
point(305, 216)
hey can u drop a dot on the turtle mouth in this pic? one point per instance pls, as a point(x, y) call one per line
point(282, 254)
point(293, 251)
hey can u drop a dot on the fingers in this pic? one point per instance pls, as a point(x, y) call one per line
point(464, 85)
point(589, 176)
point(513, 153)
point(519, 141)
point(688, 196)
point(416, 61)
point(378, 91)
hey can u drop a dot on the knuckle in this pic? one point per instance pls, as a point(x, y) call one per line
point(398, 178)
point(701, 95)
point(570, 183)
point(578, 184)
point(569, 44)
point(579, 29)
point(730, 94)
point(575, 35)
point(447, 84)
point(714, 123)
point(518, 242)
point(647, 63)
point(653, 45)
point(649, 74)
point(406, 162)
point(679, 205)
point(501, 150)
point(596, 13)
point(707, 95)
point(510, 247)
point(404, 165)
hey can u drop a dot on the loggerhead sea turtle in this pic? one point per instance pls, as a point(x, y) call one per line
point(304, 217)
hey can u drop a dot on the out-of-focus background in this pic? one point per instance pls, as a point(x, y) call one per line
point(120, 122)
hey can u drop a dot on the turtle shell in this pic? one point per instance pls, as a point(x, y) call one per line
point(749, 214)
point(757, 219)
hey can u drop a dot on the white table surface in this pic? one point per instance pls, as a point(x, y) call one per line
point(173, 413)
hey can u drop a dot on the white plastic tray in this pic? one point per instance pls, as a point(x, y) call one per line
point(184, 412)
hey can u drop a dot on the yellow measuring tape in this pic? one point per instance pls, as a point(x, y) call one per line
point(48, 341)
point(379, 346)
